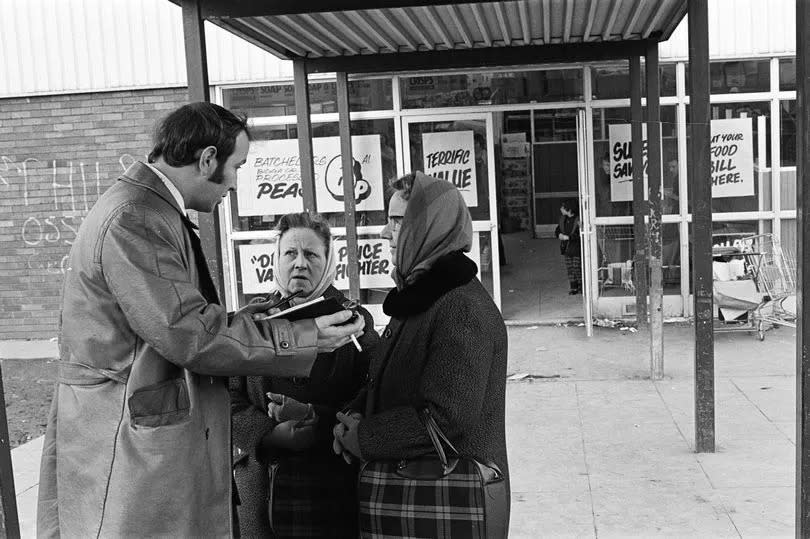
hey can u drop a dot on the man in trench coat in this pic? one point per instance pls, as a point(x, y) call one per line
point(138, 441)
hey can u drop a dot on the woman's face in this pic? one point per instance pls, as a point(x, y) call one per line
point(396, 211)
point(303, 260)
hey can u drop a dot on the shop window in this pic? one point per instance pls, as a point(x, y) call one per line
point(787, 189)
point(613, 82)
point(279, 99)
point(752, 182)
point(270, 182)
point(471, 89)
point(613, 175)
point(740, 76)
point(787, 74)
point(787, 133)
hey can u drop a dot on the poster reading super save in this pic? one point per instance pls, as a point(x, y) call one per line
point(270, 180)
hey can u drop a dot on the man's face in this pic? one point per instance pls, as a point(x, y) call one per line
point(606, 166)
point(223, 179)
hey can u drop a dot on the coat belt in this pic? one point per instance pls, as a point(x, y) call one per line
point(79, 374)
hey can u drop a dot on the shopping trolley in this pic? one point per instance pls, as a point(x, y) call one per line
point(776, 277)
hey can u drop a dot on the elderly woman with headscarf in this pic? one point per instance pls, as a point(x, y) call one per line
point(443, 351)
point(282, 427)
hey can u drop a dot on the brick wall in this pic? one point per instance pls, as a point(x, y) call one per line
point(57, 155)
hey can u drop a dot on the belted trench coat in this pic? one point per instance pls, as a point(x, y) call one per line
point(138, 438)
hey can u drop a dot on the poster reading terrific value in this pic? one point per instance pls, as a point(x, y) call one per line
point(270, 181)
point(256, 262)
point(732, 153)
point(621, 161)
point(451, 156)
point(374, 260)
point(367, 167)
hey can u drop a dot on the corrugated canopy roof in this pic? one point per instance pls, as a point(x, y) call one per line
point(319, 29)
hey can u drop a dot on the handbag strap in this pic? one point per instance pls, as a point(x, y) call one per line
point(437, 437)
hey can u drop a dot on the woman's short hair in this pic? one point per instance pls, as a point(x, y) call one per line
point(570, 205)
point(312, 221)
point(180, 136)
point(404, 184)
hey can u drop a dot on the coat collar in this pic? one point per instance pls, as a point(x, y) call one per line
point(448, 272)
point(140, 174)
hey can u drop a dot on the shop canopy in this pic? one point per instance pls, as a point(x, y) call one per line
point(384, 35)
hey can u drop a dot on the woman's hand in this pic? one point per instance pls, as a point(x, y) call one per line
point(292, 435)
point(346, 442)
point(283, 408)
point(564, 237)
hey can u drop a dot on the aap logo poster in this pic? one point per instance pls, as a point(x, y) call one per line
point(270, 181)
point(451, 156)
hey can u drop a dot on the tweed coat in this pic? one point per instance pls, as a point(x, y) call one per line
point(336, 381)
point(138, 438)
point(445, 348)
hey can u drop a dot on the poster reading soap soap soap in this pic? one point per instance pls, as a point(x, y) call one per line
point(732, 153)
point(451, 156)
point(270, 180)
point(256, 262)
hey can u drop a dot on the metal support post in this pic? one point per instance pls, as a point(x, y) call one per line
point(803, 268)
point(654, 198)
point(349, 201)
point(301, 82)
point(700, 194)
point(9, 523)
point(639, 201)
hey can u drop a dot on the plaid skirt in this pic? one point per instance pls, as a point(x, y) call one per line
point(394, 506)
point(310, 498)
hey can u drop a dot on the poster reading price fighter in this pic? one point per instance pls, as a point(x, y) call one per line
point(451, 156)
point(374, 261)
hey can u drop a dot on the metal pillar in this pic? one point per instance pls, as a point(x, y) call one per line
point(654, 198)
point(803, 268)
point(349, 203)
point(198, 90)
point(700, 195)
point(304, 134)
point(639, 201)
point(9, 523)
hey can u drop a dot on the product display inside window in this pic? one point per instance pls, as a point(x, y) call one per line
point(616, 252)
point(787, 74)
point(270, 182)
point(491, 88)
point(735, 77)
point(613, 82)
point(279, 99)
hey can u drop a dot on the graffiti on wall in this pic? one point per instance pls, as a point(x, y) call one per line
point(56, 195)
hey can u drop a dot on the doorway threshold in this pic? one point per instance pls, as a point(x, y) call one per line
point(546, 322)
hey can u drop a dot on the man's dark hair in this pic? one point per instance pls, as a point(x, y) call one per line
point(312, 221)
point(184, 133)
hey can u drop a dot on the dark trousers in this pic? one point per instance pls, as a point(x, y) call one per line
point(573, 269)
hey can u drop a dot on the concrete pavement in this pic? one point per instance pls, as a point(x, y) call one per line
point(596, 449)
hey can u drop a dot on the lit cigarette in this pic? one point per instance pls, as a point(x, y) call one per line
point(356, 344)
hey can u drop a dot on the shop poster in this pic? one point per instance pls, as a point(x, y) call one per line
point(270, 180)
point(732, 154)
point(621, 162)
point(256, 264)
point(451, 156)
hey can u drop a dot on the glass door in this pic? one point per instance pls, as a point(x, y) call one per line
point(460, 149)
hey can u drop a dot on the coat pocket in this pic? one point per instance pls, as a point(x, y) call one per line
point(160, 404)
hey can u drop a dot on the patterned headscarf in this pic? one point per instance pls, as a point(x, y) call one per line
point(436, 223)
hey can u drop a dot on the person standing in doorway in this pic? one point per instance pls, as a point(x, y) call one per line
point(567, 232)
point(138, 442)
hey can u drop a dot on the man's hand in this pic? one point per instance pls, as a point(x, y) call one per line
point(257, 308)
point(338, 432)
point(331, 335)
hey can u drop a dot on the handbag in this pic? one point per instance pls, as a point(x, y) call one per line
point(444, 495)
